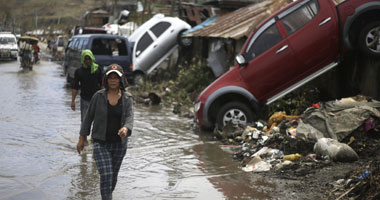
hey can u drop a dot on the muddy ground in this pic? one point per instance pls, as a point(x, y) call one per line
point(332, 180)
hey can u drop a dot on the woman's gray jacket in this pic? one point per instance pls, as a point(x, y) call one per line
point(97, 116)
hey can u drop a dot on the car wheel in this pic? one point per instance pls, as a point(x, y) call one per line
point(236, 113)
point(369, 39)
point(184, 41)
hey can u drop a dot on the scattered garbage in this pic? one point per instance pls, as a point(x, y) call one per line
point(292, 156)
point(369, 124)
point(292, 131)
point(312, 157)
point(327, 133)
point(365, 174)
point(274, 154)
point(335, 150)
point(257, 165)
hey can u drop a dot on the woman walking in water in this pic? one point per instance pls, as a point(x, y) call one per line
point(111, 114)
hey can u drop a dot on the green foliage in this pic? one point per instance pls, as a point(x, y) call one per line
point(181, 84)
point(296, 102)
point(192, 80)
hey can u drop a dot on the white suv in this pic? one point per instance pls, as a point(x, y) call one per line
point(8, 46)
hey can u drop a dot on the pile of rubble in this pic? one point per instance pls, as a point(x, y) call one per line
point(326, 134)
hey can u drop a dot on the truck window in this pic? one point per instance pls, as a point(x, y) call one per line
point(101, 46)
point(7, 40)
point(337, 2)
point(84, 44)
point(263, 40)
point(71, 44)
point(160, 28)
point(118, 47)
point(60, 42)
point(300, 16)
point(80, 44)
point(75, 46)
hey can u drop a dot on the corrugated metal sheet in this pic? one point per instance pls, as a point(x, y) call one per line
point(240, 22)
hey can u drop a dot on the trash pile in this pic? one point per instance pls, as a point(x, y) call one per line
point(341, 131)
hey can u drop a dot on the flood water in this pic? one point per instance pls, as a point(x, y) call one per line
point(165, 159)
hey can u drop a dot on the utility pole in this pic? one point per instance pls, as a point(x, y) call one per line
point(35, 20)
point(114, 10)
point(173, 8)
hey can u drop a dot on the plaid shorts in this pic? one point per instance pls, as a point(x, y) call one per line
point(108, 159)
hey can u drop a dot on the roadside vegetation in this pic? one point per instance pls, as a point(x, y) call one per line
point(179, 84)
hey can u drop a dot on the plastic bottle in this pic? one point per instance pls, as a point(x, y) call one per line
point(292, 156)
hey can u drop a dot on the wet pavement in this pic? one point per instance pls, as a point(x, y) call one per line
point(166, 159)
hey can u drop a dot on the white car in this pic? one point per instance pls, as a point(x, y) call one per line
point(154, 41)
point(60, 46)
point(8, 46)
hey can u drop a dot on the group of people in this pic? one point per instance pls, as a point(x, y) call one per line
point(106, 114)
point(29, 51)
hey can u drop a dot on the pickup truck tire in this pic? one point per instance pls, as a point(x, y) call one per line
point(369, 39)
point(234, 112)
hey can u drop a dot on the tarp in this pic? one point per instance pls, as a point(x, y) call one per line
point(335, 119)
point(216, 58)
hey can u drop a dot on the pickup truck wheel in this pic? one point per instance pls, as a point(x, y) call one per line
point(369, 39)
point(236, 113)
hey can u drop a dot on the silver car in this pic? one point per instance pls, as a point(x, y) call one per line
point(154, 41)
point(8, 46)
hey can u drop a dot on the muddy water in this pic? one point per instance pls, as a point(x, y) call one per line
point(166, 159)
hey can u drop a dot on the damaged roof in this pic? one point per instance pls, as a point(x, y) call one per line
point(239, 23)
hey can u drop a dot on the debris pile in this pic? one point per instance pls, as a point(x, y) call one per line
point(327, 134)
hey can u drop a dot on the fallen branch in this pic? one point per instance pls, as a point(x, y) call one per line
point(348, 191)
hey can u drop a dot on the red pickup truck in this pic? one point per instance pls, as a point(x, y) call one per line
point(288, 49)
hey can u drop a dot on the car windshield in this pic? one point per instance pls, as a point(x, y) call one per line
point(7, 40)
point(60, 42)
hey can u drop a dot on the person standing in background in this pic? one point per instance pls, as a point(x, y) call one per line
point(88, 79)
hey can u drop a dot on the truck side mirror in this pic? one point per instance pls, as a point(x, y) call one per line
point(240, 59)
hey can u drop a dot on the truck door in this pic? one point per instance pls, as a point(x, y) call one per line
point(271, 62)
point(312, 33)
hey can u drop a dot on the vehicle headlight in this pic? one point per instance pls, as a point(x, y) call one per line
point(197, 106)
